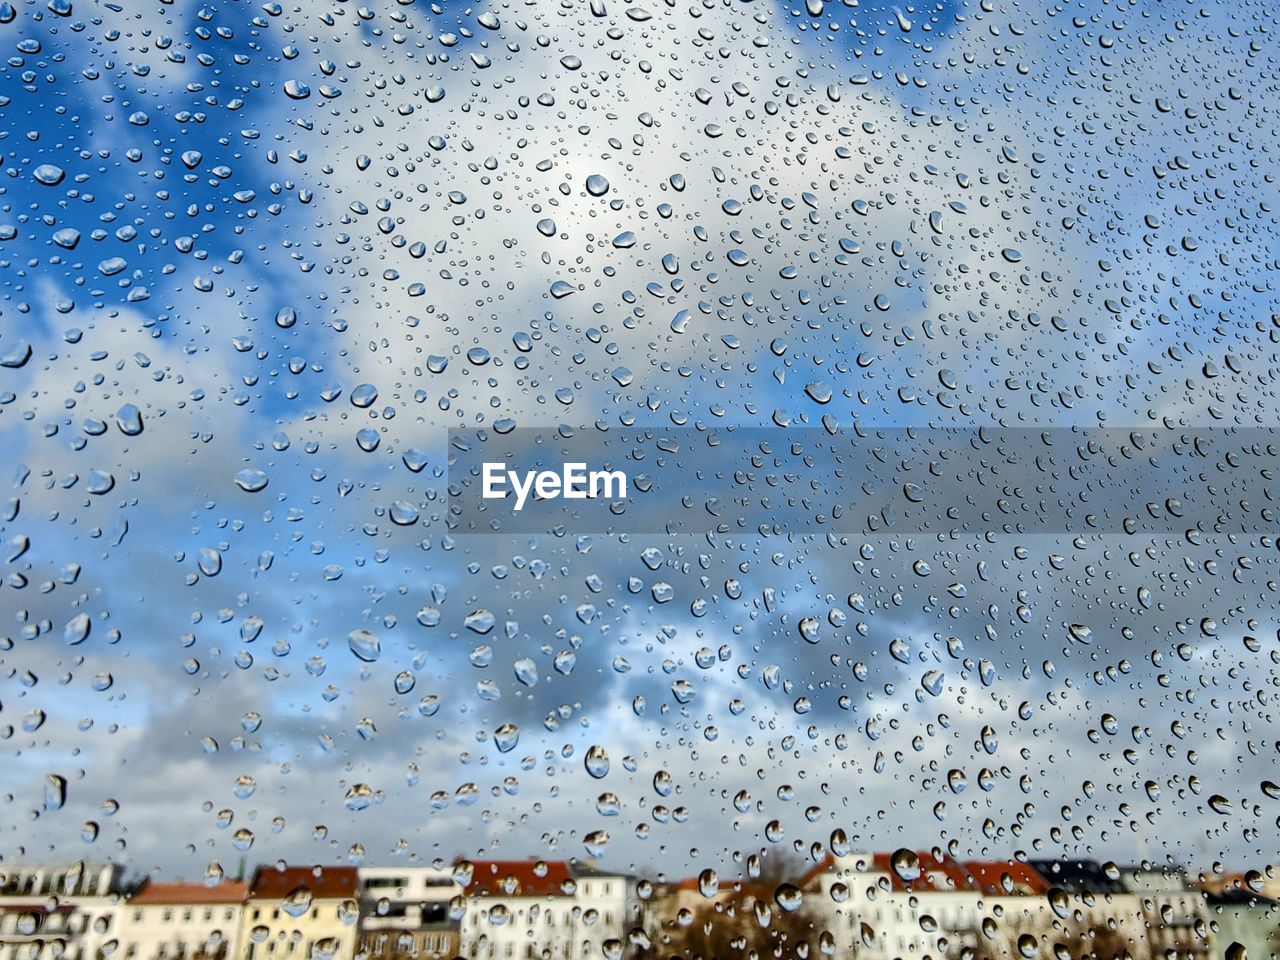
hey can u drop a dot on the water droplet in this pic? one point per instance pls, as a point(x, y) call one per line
point(364, 645)
point(596, 761)
point(129, 420)
point(905, 864)
point(55, 792)
point(251, 480)
point(77, 629)
point(480, 621)
point(49, 174)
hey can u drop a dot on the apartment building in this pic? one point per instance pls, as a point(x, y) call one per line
point(872, 906)
point(406, 913)
point(60, 911)
point(525, 910)
point(925, 906)
point(609, 906)
point(860, 899)
point(299, 913)
point(1096, 910)
point(1013, 906)
point(1176, 916)
point(183, 921)
point(1241, 918)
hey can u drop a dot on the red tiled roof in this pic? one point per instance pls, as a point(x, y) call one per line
point(942, 876)
point(996, 877)
point(190, 893)
point(518, 878)
point(816, 871)
point(325, 883)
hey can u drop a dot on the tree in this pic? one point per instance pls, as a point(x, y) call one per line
point(764, 916)
point(1017, 940)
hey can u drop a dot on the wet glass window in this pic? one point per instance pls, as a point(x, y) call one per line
point(639, 479)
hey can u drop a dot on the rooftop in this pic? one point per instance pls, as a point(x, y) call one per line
point(519, 878)
point(324, 883)
point(1078, 876)
point(181, 893)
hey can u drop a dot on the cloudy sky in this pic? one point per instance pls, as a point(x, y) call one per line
point(258, 259)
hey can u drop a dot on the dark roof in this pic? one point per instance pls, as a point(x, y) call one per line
point(1240, 898)
point(1168, 869)
point(999, 878)
point(1077, 876)
point(520, 878)
point(1137, 879)
point(324, 883)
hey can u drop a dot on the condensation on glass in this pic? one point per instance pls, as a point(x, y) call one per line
point(936, 344)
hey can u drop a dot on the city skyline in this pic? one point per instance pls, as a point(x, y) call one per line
point(905, 904)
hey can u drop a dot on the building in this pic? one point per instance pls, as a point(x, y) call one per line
point(405, 913)
point(183, 921)
point(608, 905)
point(1238, 916)
point(925, 911)
point(1013, 906)
point(298, 913)
point(913, 906)
point(519, 910)
point(543, 910)
point(1096, 913)
point(1176, 916)
point(67, 911)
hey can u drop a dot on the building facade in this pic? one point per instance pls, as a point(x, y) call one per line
point(857, 906)
point(1242, 918)
point(301, 913)
point(544, 910)
point(183, 921)
point(1175, 915)
point(1095, 911)
point(407, 913)
point(67, 911)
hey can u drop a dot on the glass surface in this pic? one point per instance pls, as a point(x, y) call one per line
point(917, 366)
